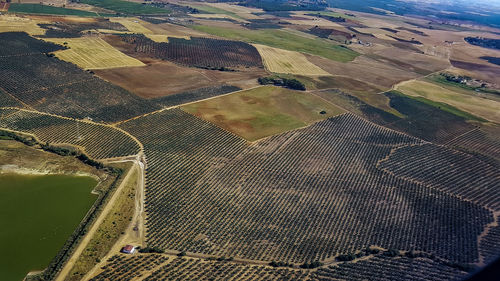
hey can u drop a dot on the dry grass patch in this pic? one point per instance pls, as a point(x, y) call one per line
point(18, 24)
point(93, 53)
point(479, 106)
point(283, 61)
point(263, 111)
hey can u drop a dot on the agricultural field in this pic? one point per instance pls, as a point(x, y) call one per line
point(47, 10)
point(283, 169)
point(210, 53)
point(263, 111)
point(50, 85)
point(481, 107)
point(283, 61)
point(162, 78)
point(383, 166)
point(133, 25)
point(10, 23)
point(284, 40)
point(93, 53)
point(126, 7)
point(98, 141)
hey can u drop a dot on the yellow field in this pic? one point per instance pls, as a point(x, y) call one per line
point(92, 53)
point(283, 61)
point(13, 23)
point(482, 107)
point(132, 24)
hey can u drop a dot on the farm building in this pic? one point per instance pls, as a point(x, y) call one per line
point(129, 249)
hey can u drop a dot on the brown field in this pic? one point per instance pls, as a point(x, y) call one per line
point(365, 69)
point(263, 111)
point(162, 78)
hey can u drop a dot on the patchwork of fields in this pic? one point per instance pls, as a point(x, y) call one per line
point(384, 166)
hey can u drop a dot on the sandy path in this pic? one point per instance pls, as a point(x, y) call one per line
point(83, 244)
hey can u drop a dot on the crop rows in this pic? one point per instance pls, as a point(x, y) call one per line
point(196, 269)
point(444, 126)
point(51, 85)
point(451, 171)
point(480, 141)
point(386, 269)
point(98, 141)
point(199, 52)
point(297, 197)
point(19, 43)
point(124, 268)
point(489, 246)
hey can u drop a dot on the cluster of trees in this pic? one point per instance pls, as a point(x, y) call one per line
point(283, 82)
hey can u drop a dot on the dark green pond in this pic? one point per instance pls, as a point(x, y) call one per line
point(37, 215)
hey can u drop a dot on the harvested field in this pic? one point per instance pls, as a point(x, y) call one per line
point(283, 61)
point(263, 111)
point(10, 23)
point(132, 24)
point(485, 108)
point(198, 52)
point(161, 78)
point(93, 53)
point(300, 196)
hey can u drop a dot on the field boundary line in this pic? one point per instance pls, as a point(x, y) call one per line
point(141, 146)
point(180, 105)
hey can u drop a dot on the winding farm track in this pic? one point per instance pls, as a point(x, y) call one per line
point(105, 211)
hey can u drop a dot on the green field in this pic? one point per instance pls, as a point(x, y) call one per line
point(263, 111)
point(126, 7)
point(49, 10)
point(284, 40)
point(38, 214)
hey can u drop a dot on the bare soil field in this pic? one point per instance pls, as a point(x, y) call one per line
point(365, 69)
point(161, 78)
